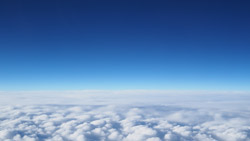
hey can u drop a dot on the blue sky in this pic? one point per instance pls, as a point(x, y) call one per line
point(72, 45)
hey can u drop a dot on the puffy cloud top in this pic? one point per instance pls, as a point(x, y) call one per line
point(127, 123)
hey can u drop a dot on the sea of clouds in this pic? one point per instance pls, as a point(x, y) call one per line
point(125, 116)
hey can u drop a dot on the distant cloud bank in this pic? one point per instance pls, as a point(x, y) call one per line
point(124, 116)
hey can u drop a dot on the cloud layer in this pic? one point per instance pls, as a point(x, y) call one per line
point(135, 115)
point(125, 123)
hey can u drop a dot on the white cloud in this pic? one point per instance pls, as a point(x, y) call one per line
point(135, 97)
point(80, 123)
point(125, 116)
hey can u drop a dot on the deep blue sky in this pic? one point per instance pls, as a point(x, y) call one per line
point(132, 44)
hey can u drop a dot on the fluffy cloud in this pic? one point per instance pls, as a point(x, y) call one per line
point(127, 123)
point(137, 115)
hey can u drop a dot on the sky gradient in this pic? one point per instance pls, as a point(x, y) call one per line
point(176, 45)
